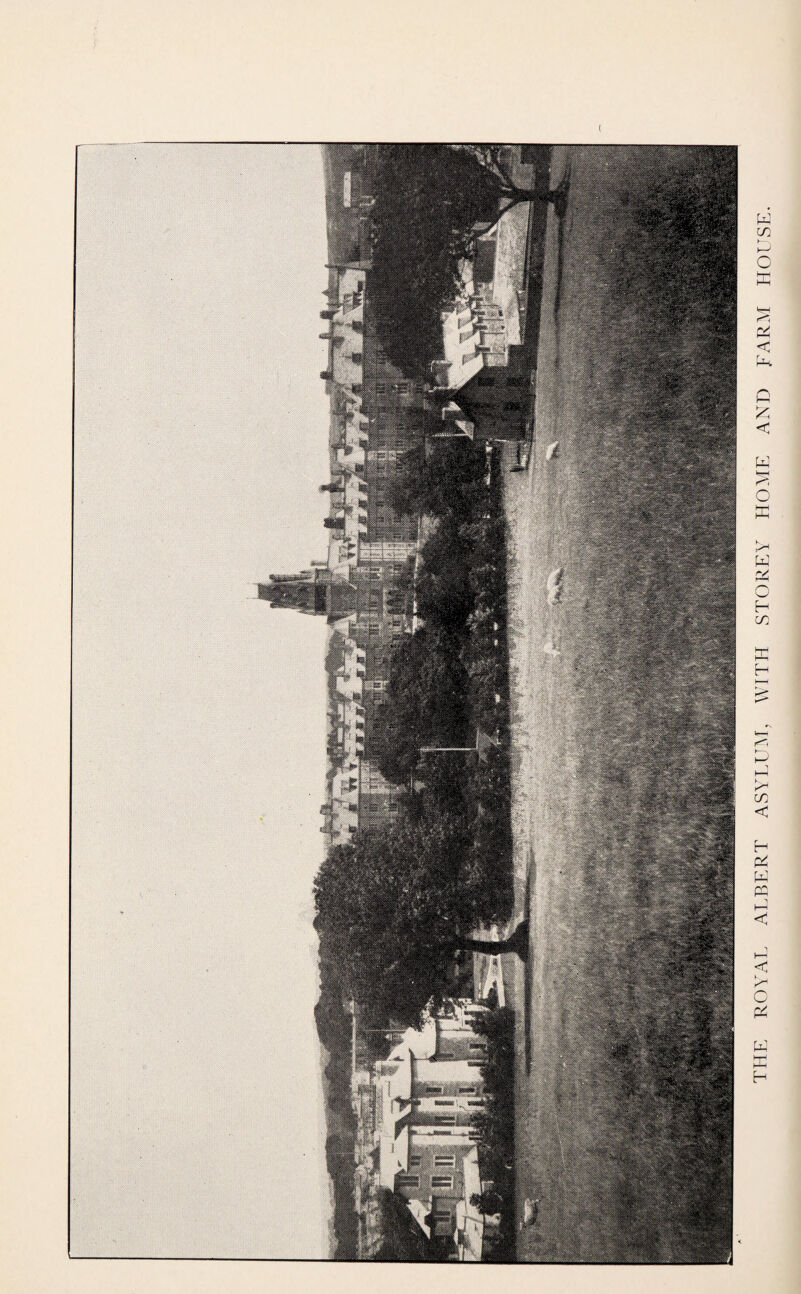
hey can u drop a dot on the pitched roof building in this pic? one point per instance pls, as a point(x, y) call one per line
point(426, 1095)
point(376, 415)
point(478, 388)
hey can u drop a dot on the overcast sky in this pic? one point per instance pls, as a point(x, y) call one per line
point(198, 714)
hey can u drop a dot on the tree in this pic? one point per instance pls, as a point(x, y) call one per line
point(392, 905)
point(449, 480)
point(425, 702)
point(487, 1201)
point(444, 596)
point(429, 198)
point(493, 159)
point(403, 1240)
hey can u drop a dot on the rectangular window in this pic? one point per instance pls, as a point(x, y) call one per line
point(467, 1089)
point(444, 1101)
point(415, 1161)
point(444, 1120)
point(478, 1102)
point(477, 1046)
point(444, 1161)
point(442, 1183)
point(433, 1090)
point(474, 1063)
point(409, 1180)
point(442, 1215)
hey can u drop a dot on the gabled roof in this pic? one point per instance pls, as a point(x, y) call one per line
point(400, 1084)
point(469, 1222)
point(420, 1209)
point(419, 1043)
point(394, 1156)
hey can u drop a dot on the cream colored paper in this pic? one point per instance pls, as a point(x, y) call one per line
point(596, 72)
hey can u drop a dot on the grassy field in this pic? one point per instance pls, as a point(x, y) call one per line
point(623, 743)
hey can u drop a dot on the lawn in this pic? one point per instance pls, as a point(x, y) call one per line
point(623, 743)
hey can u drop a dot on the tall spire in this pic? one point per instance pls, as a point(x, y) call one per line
point(313, 592)
point(304, 591)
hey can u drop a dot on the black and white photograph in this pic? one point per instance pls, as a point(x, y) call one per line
point(403, 702)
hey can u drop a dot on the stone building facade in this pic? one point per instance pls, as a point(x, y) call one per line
point(376, 415)
point(427, 1094)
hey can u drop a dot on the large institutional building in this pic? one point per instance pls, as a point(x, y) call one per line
point(361, 585)
point(415, 1110)
point(416, 1133)
point(377, 413)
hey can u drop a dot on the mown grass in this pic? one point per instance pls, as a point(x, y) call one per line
point(623, 745)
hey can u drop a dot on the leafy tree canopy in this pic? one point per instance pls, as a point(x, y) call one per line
point(394, 905)
point(391, 904)
point(447, 480)
point(425, 702)
point(428, 200)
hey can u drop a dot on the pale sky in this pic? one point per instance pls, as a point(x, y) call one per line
point(198, 714)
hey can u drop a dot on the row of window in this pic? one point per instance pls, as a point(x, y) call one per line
point(395, 388)
point(411, 1181)
point(450, 1130)
point(469, 1089)
point(448, 1100)
point(404, 418)
point(382, 455)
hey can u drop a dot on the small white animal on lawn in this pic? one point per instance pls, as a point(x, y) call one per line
point(554, 586)
point(552, 451)
point(531, 1209)
point(550, 650)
